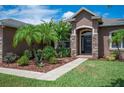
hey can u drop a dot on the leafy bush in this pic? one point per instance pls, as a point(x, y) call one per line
point(111, 57)
point(114, 53)
point(10, 58)
point(38, 56)
point(28, 53)
point(63, 52)
point(52, 60)
point(23, 60)
point(48, 52)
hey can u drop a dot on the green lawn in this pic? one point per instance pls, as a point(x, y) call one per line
point(90, 73)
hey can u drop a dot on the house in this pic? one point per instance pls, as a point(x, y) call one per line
point(8, 28)
point(90, 35)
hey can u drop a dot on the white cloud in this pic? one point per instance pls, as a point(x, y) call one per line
point(98, 13)
point(30, 14)
point(68, 14)
point(105, 15)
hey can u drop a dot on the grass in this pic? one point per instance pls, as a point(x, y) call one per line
point(93, 73)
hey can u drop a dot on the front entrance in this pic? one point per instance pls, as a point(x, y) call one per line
point(86, 43)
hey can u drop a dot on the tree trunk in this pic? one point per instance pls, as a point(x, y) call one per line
point(32, 48)
point(119, 53)
point(56, 45)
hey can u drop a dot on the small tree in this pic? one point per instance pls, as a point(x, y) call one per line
point(117, 38)
point(27, 33)
point(63, 30)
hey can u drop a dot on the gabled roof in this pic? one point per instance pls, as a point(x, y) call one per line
point(95, 16)
point(105, 22)
point(12, 23)
point(83, 9)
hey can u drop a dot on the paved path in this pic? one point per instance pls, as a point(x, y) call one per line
point(51, 75)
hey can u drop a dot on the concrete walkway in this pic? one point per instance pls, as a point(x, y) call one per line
point(51, 75)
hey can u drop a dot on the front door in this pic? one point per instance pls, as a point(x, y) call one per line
point(86, 44)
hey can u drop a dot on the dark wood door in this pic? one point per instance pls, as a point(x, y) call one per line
point(86, 44)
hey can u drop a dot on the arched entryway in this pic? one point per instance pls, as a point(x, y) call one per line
point(86, 42)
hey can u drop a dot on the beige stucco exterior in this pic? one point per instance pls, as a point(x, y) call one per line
point(84, 20)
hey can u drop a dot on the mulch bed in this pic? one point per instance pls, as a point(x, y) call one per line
point(32, 67)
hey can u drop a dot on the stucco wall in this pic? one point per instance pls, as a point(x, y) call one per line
point(84, 18)
point(8, 34)
point(104, 40)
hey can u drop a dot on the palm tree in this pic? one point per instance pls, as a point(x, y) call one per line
point(117, 38)
point(48, 33)
point(29, 34)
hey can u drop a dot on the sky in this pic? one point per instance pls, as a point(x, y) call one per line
point(35, 14)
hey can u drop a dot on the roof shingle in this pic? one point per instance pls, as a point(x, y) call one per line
point(112, 22)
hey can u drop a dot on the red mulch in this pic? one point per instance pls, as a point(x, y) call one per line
point(32, 67)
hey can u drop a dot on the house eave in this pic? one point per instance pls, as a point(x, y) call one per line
point(9, 26)
point(71, 20)
point(11, 23)
point(109, 25)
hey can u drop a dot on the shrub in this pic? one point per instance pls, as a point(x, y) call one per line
point(63, 52)
point(52, 60)
point(111, 57)
point(10, 57)
point(23, 60)
point(28, 53)
point(48, 52)
point(114, 53)
point(38, 56)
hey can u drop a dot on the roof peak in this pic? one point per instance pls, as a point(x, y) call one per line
point(83, 8)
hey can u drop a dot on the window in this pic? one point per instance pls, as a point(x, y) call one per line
point(65, 44)
point(113, 45)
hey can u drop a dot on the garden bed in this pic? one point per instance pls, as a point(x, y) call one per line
point(32, 67)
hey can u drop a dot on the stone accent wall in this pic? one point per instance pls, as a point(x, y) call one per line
point(95, 39)
point(73, 45)
point(83, 21)
point(74, 48)
point(1, 43)
point(95, 46)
